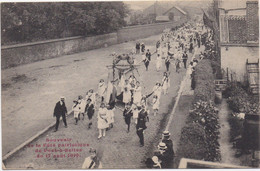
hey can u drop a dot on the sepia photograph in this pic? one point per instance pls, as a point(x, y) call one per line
point(130, 84)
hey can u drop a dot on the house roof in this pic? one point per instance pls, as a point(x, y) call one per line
point(176, 7)
point(155, 8)
point(162, 18)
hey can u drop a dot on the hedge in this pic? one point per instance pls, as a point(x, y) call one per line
point(199, 139)
point(204, 81)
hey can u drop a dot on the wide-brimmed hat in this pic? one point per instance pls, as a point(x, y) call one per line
point(162, 146)
point(166, 134)
point(62, 97)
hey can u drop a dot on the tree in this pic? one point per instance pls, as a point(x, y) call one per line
point(25, 22)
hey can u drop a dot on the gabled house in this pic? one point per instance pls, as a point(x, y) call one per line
point(175, 13)
point(162, 13)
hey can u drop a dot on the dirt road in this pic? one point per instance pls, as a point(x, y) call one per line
point(29, 92)
point(82, 72)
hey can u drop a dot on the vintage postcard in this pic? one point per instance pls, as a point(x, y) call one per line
point(130, 84)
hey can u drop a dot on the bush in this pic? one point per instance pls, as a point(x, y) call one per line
point(192, 142)
point(204, 79)
point(240, 101)
point(199, 140)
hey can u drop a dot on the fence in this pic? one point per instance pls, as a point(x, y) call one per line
point(31, 52)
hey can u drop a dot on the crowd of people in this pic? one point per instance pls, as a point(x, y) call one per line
point(172, 48)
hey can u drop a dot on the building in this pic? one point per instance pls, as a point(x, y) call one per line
point(162, 13)
point(175, 14)
point(239, 40)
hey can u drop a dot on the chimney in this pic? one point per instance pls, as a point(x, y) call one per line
point(252, 21)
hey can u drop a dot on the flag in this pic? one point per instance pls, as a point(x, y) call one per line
point(207, 21)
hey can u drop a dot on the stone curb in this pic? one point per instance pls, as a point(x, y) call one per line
point(11, 153)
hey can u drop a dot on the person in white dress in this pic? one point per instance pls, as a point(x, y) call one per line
point(91, 95)
point(137, 94)
point(101, 89)
point(121, 83)
point(81, 104)
point(76, 111)
point(157, 89)
point(143, 57)
point(165, 83)
point(110, 116)
point(127, 93)
point(156, 104)
point(158, 62)
point(135, 111)
point(109, 91)
point(102, 122)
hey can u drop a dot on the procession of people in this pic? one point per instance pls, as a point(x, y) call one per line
point(127, 93)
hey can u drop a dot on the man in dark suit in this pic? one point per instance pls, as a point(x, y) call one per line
point(140, 126)
point(60, 110)
point(169, 151)
point(184, 59)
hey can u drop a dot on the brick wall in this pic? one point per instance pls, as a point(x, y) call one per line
point(237, 30)
point(252, 21)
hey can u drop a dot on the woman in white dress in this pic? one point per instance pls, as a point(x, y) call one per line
point(137, 94)
point(127, 93)
point(156, 104)
point(109, 91)
point(158, 62)
point(101, 89)
point(157, 89)
point(121, 84)
point(166, 83)
point(102, 122)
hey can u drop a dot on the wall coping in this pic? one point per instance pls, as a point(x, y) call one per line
point(76, 37)
point(153, 24)
point(49, 41)
point(241, 45)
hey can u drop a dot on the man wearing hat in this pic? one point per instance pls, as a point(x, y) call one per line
point(140, 126)
point(60, 110)
point(168, 142)
point(163, 156)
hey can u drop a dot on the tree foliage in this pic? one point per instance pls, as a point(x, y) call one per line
point(26, 22)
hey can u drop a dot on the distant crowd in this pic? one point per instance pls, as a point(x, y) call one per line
point(126, 94)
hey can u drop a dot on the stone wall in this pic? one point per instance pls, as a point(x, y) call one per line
point(31, 52)
point(142, 31)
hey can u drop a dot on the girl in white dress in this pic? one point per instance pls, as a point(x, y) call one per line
point(101, 89)
point(166, 83)
point(102, 122)
point(76, 111)
point(91, 95)
point(135, 111)
point(110, 116)
point(137, 94)
point(156, 104)
point(158, 62)
point(81, 104)
point(157, 89)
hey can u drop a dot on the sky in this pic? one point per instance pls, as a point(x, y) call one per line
point(140, 5)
